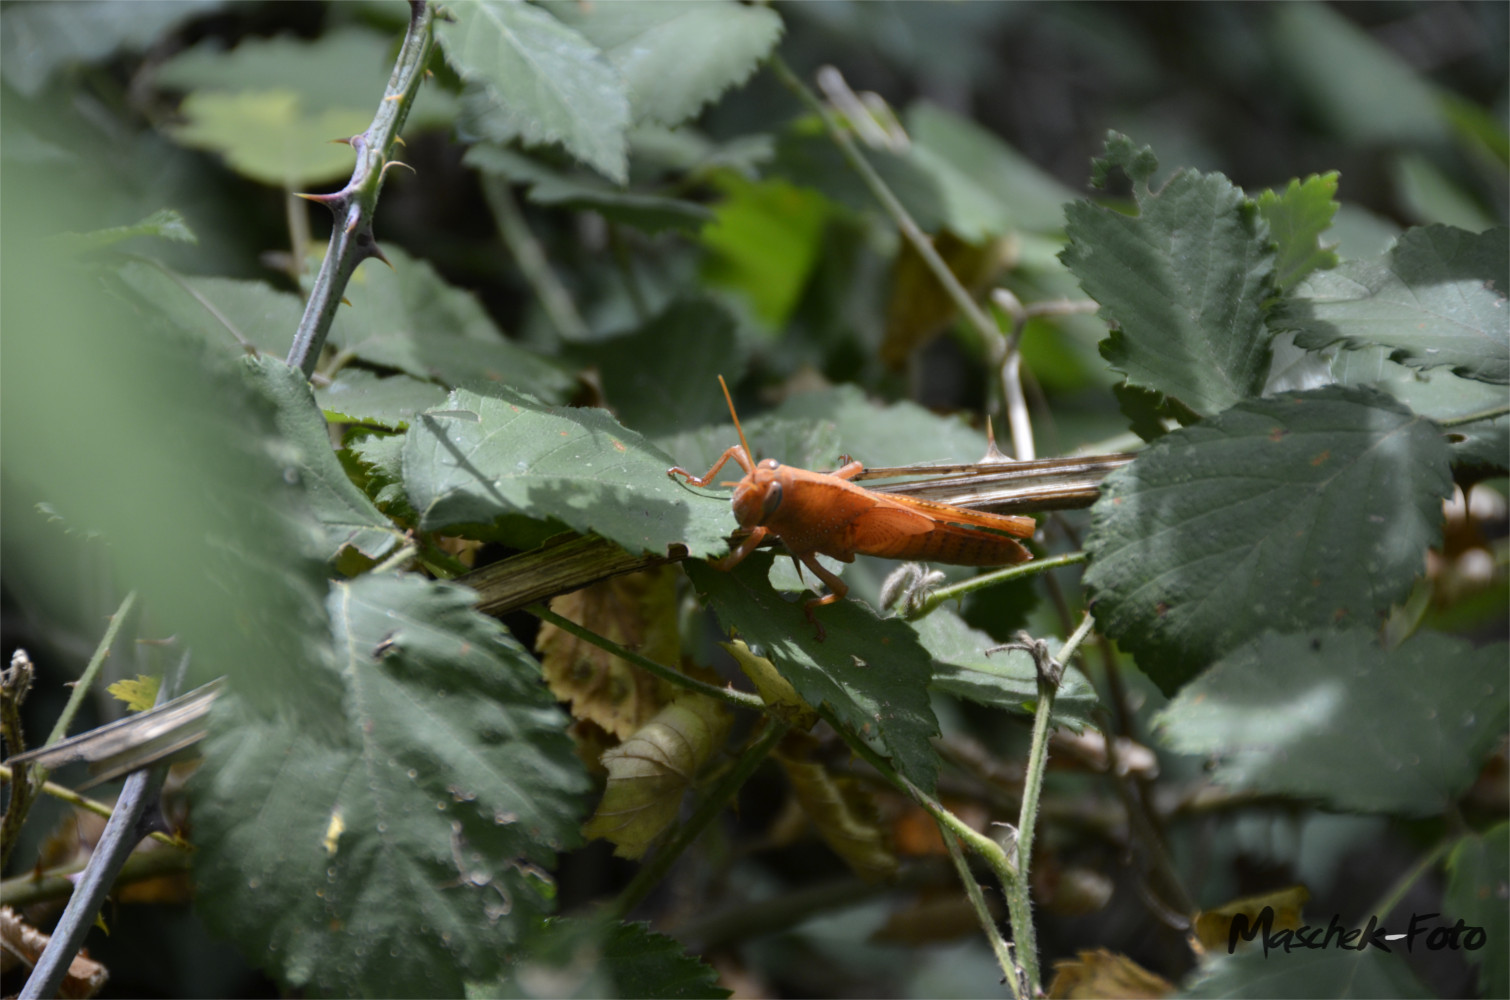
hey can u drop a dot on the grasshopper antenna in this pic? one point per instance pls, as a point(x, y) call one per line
point(730, 400)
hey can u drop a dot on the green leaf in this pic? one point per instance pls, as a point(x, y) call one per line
point(648, 212)
point(1183, 282)
point(590, 957)
point(1332, 716)
point(36, 39)
point(1007, 679)
point(1346, 975)
point(1437, 298)
point(407, 318)
point(1439, 394)
point(872, 672)
point(807, 444)
point(349, 518)
point(399, 855)
point(358, 396)
point(1478, 887)
point(485, 456)
point(165, 224)
point(900, 433)
point(764, 243)
point(663, 377)
point(536, 79)
point(1291, 512)
point(269, 136)
point(228, 314)
point(346, 69)
point(675, 57)
point(987, 187)
point(1297, 218)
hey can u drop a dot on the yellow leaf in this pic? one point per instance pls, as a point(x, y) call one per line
point(1100, 973)
point(638, 612)
point(774, 689)
point(649, 772)
point(1212, 929)
point(139, 693)
point(845, 816)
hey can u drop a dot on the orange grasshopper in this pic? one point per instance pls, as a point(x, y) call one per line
point(824, 513)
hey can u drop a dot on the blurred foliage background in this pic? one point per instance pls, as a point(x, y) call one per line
point(1408, 101)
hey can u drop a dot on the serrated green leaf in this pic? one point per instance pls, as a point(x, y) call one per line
point(165, 224)
point(535, 79)
point(1478, 893)
point(987, 188)
point(349, 518)
point(1184, 284)
point(358, 396)
point(1346, 975)
point(663, 377)
point(408, 318)
point(648, 212)
point(1297, 217)
point(675, 57)
point(595, 957)
point(1007, 679)
point(1437, 298)
point(1296, 511)
point(396, 857)
point(1332, 716)
point(37, 39)
point(138, 693)
point(1439, 394)
point(345, 69)
point(269, 136)
point(872, 672)
point(228, 314)
point(485, 456)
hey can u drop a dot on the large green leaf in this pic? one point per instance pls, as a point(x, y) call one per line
point(269, 136)
point(872, 672)
point(1478, 893)
point(764, 242)
point(1345, 975)
point(228, 314)
point(987, 187)
point(1183, 282)
point(892, 434)
point(807, 444)
point(357, 396)
point(1296, 511)
point(348, 516)
point(1297, 216)
point(675, 57)
point(663, 377)
point(1332, 716)
point(1006, 679)
point(407, 317)
point(1436, 298)
point(36, 39)
point(486, 456)
point(399, 856)
point(535, 79)
point(345, 69)
point(592, 957)
point(1439, 394)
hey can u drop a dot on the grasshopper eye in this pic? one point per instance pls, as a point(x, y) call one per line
point(771, 502)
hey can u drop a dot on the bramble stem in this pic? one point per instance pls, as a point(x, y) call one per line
point(351, 239)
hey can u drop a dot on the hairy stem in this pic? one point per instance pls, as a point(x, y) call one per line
point(975, 583)
point(999, 945)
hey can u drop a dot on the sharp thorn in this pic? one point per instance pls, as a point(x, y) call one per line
point(395, 163)
point(400, 140)
point(342, 142)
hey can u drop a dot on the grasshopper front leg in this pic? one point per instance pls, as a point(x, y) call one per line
point(735, 452)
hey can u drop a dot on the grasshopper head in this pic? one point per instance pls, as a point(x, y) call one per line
point(757, 495)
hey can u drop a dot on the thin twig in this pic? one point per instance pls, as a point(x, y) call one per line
point(1473, 418)
point(87, 804)
point(530, 256)
point(1011, 973)
point(944, 594)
